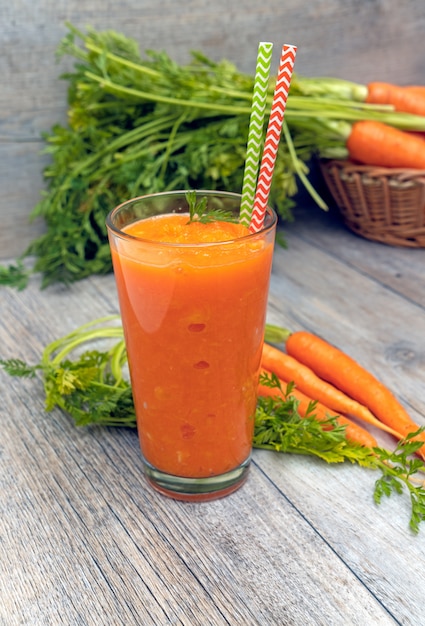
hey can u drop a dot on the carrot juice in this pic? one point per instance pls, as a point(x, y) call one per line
point(193, 300)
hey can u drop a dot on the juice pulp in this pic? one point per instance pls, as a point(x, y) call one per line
point(193, 317)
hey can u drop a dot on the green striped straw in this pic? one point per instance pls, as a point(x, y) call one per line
point(255, 130)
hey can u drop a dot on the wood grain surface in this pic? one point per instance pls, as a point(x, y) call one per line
point(361, 41)
point(83, 539)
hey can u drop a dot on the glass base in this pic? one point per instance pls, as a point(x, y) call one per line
point(197, 489)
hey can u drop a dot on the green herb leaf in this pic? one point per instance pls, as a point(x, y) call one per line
point(197, 208)
point(17, 367)
point(15, 275)
point(199, 211)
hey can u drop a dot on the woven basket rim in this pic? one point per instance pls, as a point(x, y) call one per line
point(373, 170)
point(382, 204)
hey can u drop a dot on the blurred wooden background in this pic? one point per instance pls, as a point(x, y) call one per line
point(360, 40)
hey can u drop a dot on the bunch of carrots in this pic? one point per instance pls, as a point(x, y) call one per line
point(375, 143)
point(340, 387)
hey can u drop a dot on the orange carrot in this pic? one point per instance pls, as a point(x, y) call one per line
point(419, 89)
point(417, 133)
point(404, 99)
point(353, 432)
point(375, 143)
point(339, 369)
point(287, 367)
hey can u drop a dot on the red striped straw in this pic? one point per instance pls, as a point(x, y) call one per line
point(271, 143)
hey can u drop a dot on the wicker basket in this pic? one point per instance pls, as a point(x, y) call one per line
point(386, 205)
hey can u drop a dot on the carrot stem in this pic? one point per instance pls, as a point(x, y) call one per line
point(276, 334)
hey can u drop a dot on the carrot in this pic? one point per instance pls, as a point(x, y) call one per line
point(419, 89)
point(353, 432)
point(287, 367)
point(404, 99)
point(375, 143)
point(417, 133)
point(339, 369)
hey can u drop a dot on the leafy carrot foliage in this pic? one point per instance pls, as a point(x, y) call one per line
point(92, 387)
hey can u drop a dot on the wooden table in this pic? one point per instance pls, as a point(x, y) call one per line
point(83, 539)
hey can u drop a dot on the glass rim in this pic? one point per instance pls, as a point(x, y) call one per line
point(270, 212)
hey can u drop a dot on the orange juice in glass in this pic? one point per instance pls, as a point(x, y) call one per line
point(193, 300)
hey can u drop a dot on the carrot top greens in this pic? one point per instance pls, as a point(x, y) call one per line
point(199, 211)
point(93, 388)
point(143, 124)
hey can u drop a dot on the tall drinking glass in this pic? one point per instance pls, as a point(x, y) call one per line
point(193, 300)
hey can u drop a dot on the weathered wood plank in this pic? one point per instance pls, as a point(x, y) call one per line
point(323, 283)
point(87, 539)
point(21, 174)
point(301, 543)
point(398, 268)
point(367, 537)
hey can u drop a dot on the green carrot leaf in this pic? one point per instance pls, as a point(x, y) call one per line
point(15, 275)
point(17, 367)
point(92, 387)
